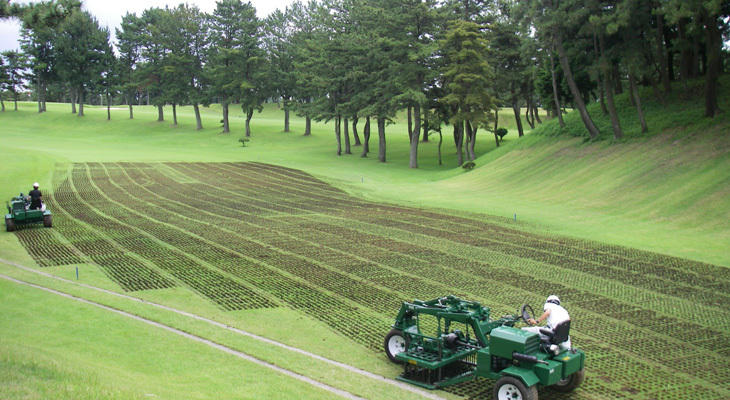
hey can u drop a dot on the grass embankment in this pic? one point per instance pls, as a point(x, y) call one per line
point(666, 192)
point(663, 191)
point(72, 350)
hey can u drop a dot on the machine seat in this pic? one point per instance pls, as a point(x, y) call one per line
point(559, 334)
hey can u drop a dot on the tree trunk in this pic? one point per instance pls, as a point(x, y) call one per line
point(695, 57)
point(347, 136)
point(529, 115)
point(307, 126)
point(381, 139)
point(441, 140)
point(536, 114)
point(472, 130)
point(286, 118)
point(74, 97)
point(587, 121)
point(671, 51)
point(655, 88)
point(616, 80)
point(425, 126)
point(338, 135)
point(459, 140)
point(226, 126)
point(467, 138)
point(81, 103)
point(607, 71)
point(637, 101)
point(40, 101)
point(174, 114)
point(615, 124)
point(496, 125)
point(516, 110)
point(526, 90)
point(410, 123)
point(713, 38)
point(663, 62)
point(366, 138)
point(354, 131)
point(131, 111)
point(198, 120)
point(160, 113)
point(108, 108)
point(415, 134)
point(602, 96)
point(601, 93)
point(2, 105)
point(249, 115)
point(685, 52)
point(555, 92)
point(43, 95)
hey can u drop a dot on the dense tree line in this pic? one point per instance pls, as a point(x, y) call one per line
point(350, 62)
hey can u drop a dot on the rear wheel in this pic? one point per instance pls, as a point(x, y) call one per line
point(511, 388)
point(9, 224)
point(47, 221)
point(395, 343)
point(570, 383)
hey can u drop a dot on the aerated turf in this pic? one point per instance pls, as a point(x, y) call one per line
point(253, 235)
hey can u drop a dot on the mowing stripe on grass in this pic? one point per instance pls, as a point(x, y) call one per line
point(219, 346)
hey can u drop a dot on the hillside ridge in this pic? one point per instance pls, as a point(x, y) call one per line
point(676, 177)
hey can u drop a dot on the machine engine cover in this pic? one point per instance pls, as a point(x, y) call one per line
point(506, 340)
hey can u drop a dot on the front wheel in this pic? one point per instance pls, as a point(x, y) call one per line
point(511, 388)
point(395, 343)
point(9, 224)
point(570, 383)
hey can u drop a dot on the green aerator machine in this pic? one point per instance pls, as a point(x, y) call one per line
point(467, 343)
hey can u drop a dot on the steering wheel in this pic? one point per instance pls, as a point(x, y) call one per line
point(527, 313)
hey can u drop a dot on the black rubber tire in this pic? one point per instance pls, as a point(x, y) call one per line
point(47, 221)
point(9, 224)
point(393, 340)
point(570, 383)
point(511, 388)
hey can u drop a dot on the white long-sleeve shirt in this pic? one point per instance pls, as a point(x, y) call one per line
point(557, 315)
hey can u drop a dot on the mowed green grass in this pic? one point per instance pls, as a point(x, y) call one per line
point(72, 350)
point(666, 192)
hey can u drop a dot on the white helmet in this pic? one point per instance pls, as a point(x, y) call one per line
point(36, 184)
point(553, 299)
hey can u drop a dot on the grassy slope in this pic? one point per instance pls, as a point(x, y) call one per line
point(665, 192)
point(73, 356)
